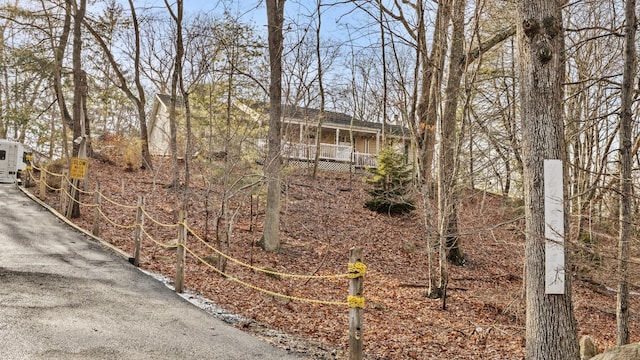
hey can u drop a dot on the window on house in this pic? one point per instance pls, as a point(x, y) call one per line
point(3, 154)
point(344, 140)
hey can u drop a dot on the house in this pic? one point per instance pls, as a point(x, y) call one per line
point(158, 128)
point(337, 150)
point(345, 142)
point(207, 129)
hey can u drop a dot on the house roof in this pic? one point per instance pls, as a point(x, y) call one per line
point(165, 99)
point(339, 119)
point(306, 114)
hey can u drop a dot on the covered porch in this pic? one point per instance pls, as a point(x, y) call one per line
point(299, 142)
point(328, 152)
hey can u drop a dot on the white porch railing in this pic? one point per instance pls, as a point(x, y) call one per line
point(331, 152)
point(365, 160)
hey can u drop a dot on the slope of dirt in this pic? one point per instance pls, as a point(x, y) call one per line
point(320, 221)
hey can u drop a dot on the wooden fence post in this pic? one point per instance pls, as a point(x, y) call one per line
point(62, 191)
point(180, 252)
point(26, 176)
point(138, 231)
point(74, 183)
point(42, 190)
point(97, 201)
point(356, 303)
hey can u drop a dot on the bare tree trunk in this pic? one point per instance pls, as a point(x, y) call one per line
point(431, 235)
point(551, 332)
point(432, 73)
point(383, 58)
point(187, 148)
point(431, 79)
point(271, 233)
point(447, 214)
point(622, 300)
point(226, 181)
point(447, 165)
point(139, 101)
point(187, 106)
point(428, 78)
point(321, 89)
point(175, 78)
point(85, 117)
point(59, 50)
point(79, 91)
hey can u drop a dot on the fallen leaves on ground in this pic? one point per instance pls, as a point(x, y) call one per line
point(320, 221)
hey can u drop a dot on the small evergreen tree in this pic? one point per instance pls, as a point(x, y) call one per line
point(391, 184)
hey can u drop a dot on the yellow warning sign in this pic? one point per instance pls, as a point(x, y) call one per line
point(78, 168)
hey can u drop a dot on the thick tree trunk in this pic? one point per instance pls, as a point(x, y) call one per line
point(448, 164)
point(272, 169)
point(175, 83)
point(187, 106)
point(140, 101)
point(144, 135)
point(432, 73)
point(550, 323)
point(59, 51)
point(432, 67)
point(431, 235)
point(79, 84)
point(173, 140)
point(622, 301)
point(79, 93)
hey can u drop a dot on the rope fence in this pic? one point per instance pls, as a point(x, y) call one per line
point(271, 272)
point(356, 269)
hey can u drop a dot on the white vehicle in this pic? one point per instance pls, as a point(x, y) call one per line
point(13, 159)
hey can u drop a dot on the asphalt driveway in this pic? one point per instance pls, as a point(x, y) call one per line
point(65, 296)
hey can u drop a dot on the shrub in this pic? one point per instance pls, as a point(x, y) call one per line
point(390, 184)
point(132, 154)
point(55, 168)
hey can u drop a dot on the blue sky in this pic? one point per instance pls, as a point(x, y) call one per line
point(254, 11)
point(249, 9)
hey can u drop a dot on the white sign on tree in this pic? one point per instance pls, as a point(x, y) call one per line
point(554, 227)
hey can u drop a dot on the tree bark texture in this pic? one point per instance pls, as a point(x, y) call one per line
point(58, 67)
point(273, 165)
point(187, 107)
point(550, 323)
point(448, 164)
point(79, 82)
point(432, 73)
point(140, 101)
point(175, 79)
point(79, 92)
point(622, 299)
point(432, 68)
point(316, 159)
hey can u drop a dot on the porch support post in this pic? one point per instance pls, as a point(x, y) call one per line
point(337, 136)
point(301, 133)
point(377, 143)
